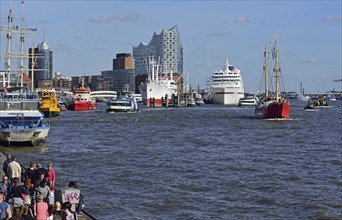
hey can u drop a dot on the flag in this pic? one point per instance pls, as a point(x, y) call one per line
point(273, 52)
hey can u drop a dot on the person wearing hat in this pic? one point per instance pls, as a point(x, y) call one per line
point(5, 187)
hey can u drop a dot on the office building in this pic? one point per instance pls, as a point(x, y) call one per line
point(43, 65)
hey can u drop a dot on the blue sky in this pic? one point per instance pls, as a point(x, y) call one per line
point(86, 35)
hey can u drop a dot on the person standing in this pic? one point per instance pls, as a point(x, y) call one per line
point(6, 162)
point(14, 169)
point(5, 187)
point(5, 210)
point(41, 208)
point(51, 176)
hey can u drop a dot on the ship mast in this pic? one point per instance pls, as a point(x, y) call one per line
point(276, 69)
point(22, 42)
point(9, 36)
point(266, 71)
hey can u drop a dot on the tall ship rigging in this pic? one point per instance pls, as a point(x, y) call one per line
point(21, 122)
point(157, 86)
point(226, 85)
point(270, 106)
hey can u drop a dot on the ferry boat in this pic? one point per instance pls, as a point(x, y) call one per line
point(199, 99)
point(272, 107)
point(248, 101)
point(82, 100)
point(157, 86)
point(226, 85)
point(49, 102)
point(21, 122)
point(125, 103)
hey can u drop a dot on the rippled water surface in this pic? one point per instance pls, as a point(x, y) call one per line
point(208, 162)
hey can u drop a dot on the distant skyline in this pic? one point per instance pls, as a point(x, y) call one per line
point(86, 35)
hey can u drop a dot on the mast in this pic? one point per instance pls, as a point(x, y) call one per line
point(266, 71)
point(277, 70)
point(22, 43)
point(9, 36)
point(33, 61)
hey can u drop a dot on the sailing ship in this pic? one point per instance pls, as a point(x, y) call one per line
point(21, 122)
point(49, 102)
point(272, 107)
point(226, 85)
point(157, 86)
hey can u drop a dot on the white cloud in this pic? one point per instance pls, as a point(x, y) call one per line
point(241, 20)
point(126, 18)
point(312, 60)
point(99, 20)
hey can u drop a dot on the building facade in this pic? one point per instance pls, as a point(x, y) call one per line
point(43, 65)
point(165, 47)
point(122, 76)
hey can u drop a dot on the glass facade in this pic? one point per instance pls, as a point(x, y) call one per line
point(164, 47)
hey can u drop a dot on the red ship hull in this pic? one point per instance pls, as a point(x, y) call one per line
point(82, 106)
point(274, 110)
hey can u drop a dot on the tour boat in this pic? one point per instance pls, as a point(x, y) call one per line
point(21, 122)
point(226, 85)
point(82, 100)
point(157, 86)
point(49, 102)
point(125, 103)
point(272, 107)
point(248, 101)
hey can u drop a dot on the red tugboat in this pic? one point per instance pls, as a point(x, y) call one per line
point(272, 107)
point(82, 100)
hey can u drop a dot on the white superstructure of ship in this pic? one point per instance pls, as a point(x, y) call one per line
point(226, 85)
point(157, 86)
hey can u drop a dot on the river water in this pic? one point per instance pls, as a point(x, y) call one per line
point(208, 162)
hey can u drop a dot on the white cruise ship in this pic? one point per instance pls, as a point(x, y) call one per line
point(226, 86)
point(157, 86)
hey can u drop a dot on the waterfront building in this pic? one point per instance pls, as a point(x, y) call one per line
point(122, 76)
point(43, 65)
point(165, 47)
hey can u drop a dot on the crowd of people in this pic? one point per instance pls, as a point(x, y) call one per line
point(29, 194)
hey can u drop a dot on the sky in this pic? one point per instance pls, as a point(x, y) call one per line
point(86, 35)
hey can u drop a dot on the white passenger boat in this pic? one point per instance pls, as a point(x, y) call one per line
point(226, 85)
point(248, 101)
point(21, 122)
point(125, 103)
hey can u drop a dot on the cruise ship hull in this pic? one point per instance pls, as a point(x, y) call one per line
point(225, 96)
point(154, 92)
point(274, 110)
